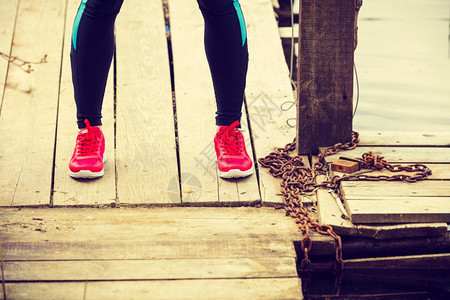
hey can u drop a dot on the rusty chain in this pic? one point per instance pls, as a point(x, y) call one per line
point(297, 180)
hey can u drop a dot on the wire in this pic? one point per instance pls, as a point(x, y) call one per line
point(357, 90)
point(285, 106)
point(290, 104)
point(291, 62)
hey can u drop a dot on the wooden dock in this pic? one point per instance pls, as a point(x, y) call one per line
point(59, 250)
point(144, 151)
point(125, 235)
point(157, 253)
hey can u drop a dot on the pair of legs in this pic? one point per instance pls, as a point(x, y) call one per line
point(93, 45)
point(225, 46)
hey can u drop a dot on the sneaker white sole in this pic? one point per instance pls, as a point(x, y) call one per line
point(86, 174)
point(235, 173)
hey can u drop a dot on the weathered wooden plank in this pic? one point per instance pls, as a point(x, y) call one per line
point(134, 244)
point(162, 247)
point(7, 20)
point(155, 269)
point(259, 288)
point(286, 32)
point(397, 202)
point(402, 154)
point(85, 224)
point(357, 190)
point(279, 288)
point(330, 213)
point(145, 137)
point(400, 210)
point(367, 247)
point(429, 261)
point(439, 171)
point(28, 116)
point(404, 138)
point(194, 94)
point(325, 74)
point(85, 233)
point(45, 290)
point(268, 90)
point(68, 191)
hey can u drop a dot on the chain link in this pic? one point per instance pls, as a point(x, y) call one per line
point(297, 180)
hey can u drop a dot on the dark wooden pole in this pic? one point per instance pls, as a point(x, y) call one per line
point(325, 73)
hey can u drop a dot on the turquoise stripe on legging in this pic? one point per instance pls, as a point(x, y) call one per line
point(240, 15)
point(77, 23)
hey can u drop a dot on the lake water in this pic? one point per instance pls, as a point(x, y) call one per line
point(407, 284)
point(403, 65)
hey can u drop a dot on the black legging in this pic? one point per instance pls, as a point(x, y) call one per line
point(93, 46)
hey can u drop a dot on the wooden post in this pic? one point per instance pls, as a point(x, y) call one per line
point(325, 73)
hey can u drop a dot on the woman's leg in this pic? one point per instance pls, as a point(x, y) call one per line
point(91, 54)
point(226, 50)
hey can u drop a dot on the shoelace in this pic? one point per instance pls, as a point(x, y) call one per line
point(88, 142)
point(232, 139)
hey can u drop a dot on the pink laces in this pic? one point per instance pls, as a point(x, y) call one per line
point(89, 142)
point(232, 139)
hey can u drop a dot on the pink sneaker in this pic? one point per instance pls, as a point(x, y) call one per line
point(232, 158)
point(87, 159)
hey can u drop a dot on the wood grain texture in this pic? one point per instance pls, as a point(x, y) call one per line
point(7, 20)
point(163, 247)
point(168, 224)
point(156, 233)
point(397, 202)
point(325, 74)
point(354, 190)
point(28, 116)
point(258, 288)
point(400, 210)
point(196, 108)
point(45, 290)
point(187, 250)
point(145, 137)
point(402, 154)
point(154, 269)
point(268, 90)
point(195, 104)
point(439, 171)
point(402, 138)
point(329, 213)
point(68, 191)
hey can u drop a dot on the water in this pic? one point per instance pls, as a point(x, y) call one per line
point(378, 284)
point(403, 64)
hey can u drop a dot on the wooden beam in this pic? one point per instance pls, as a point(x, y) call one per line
point(325, 73)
